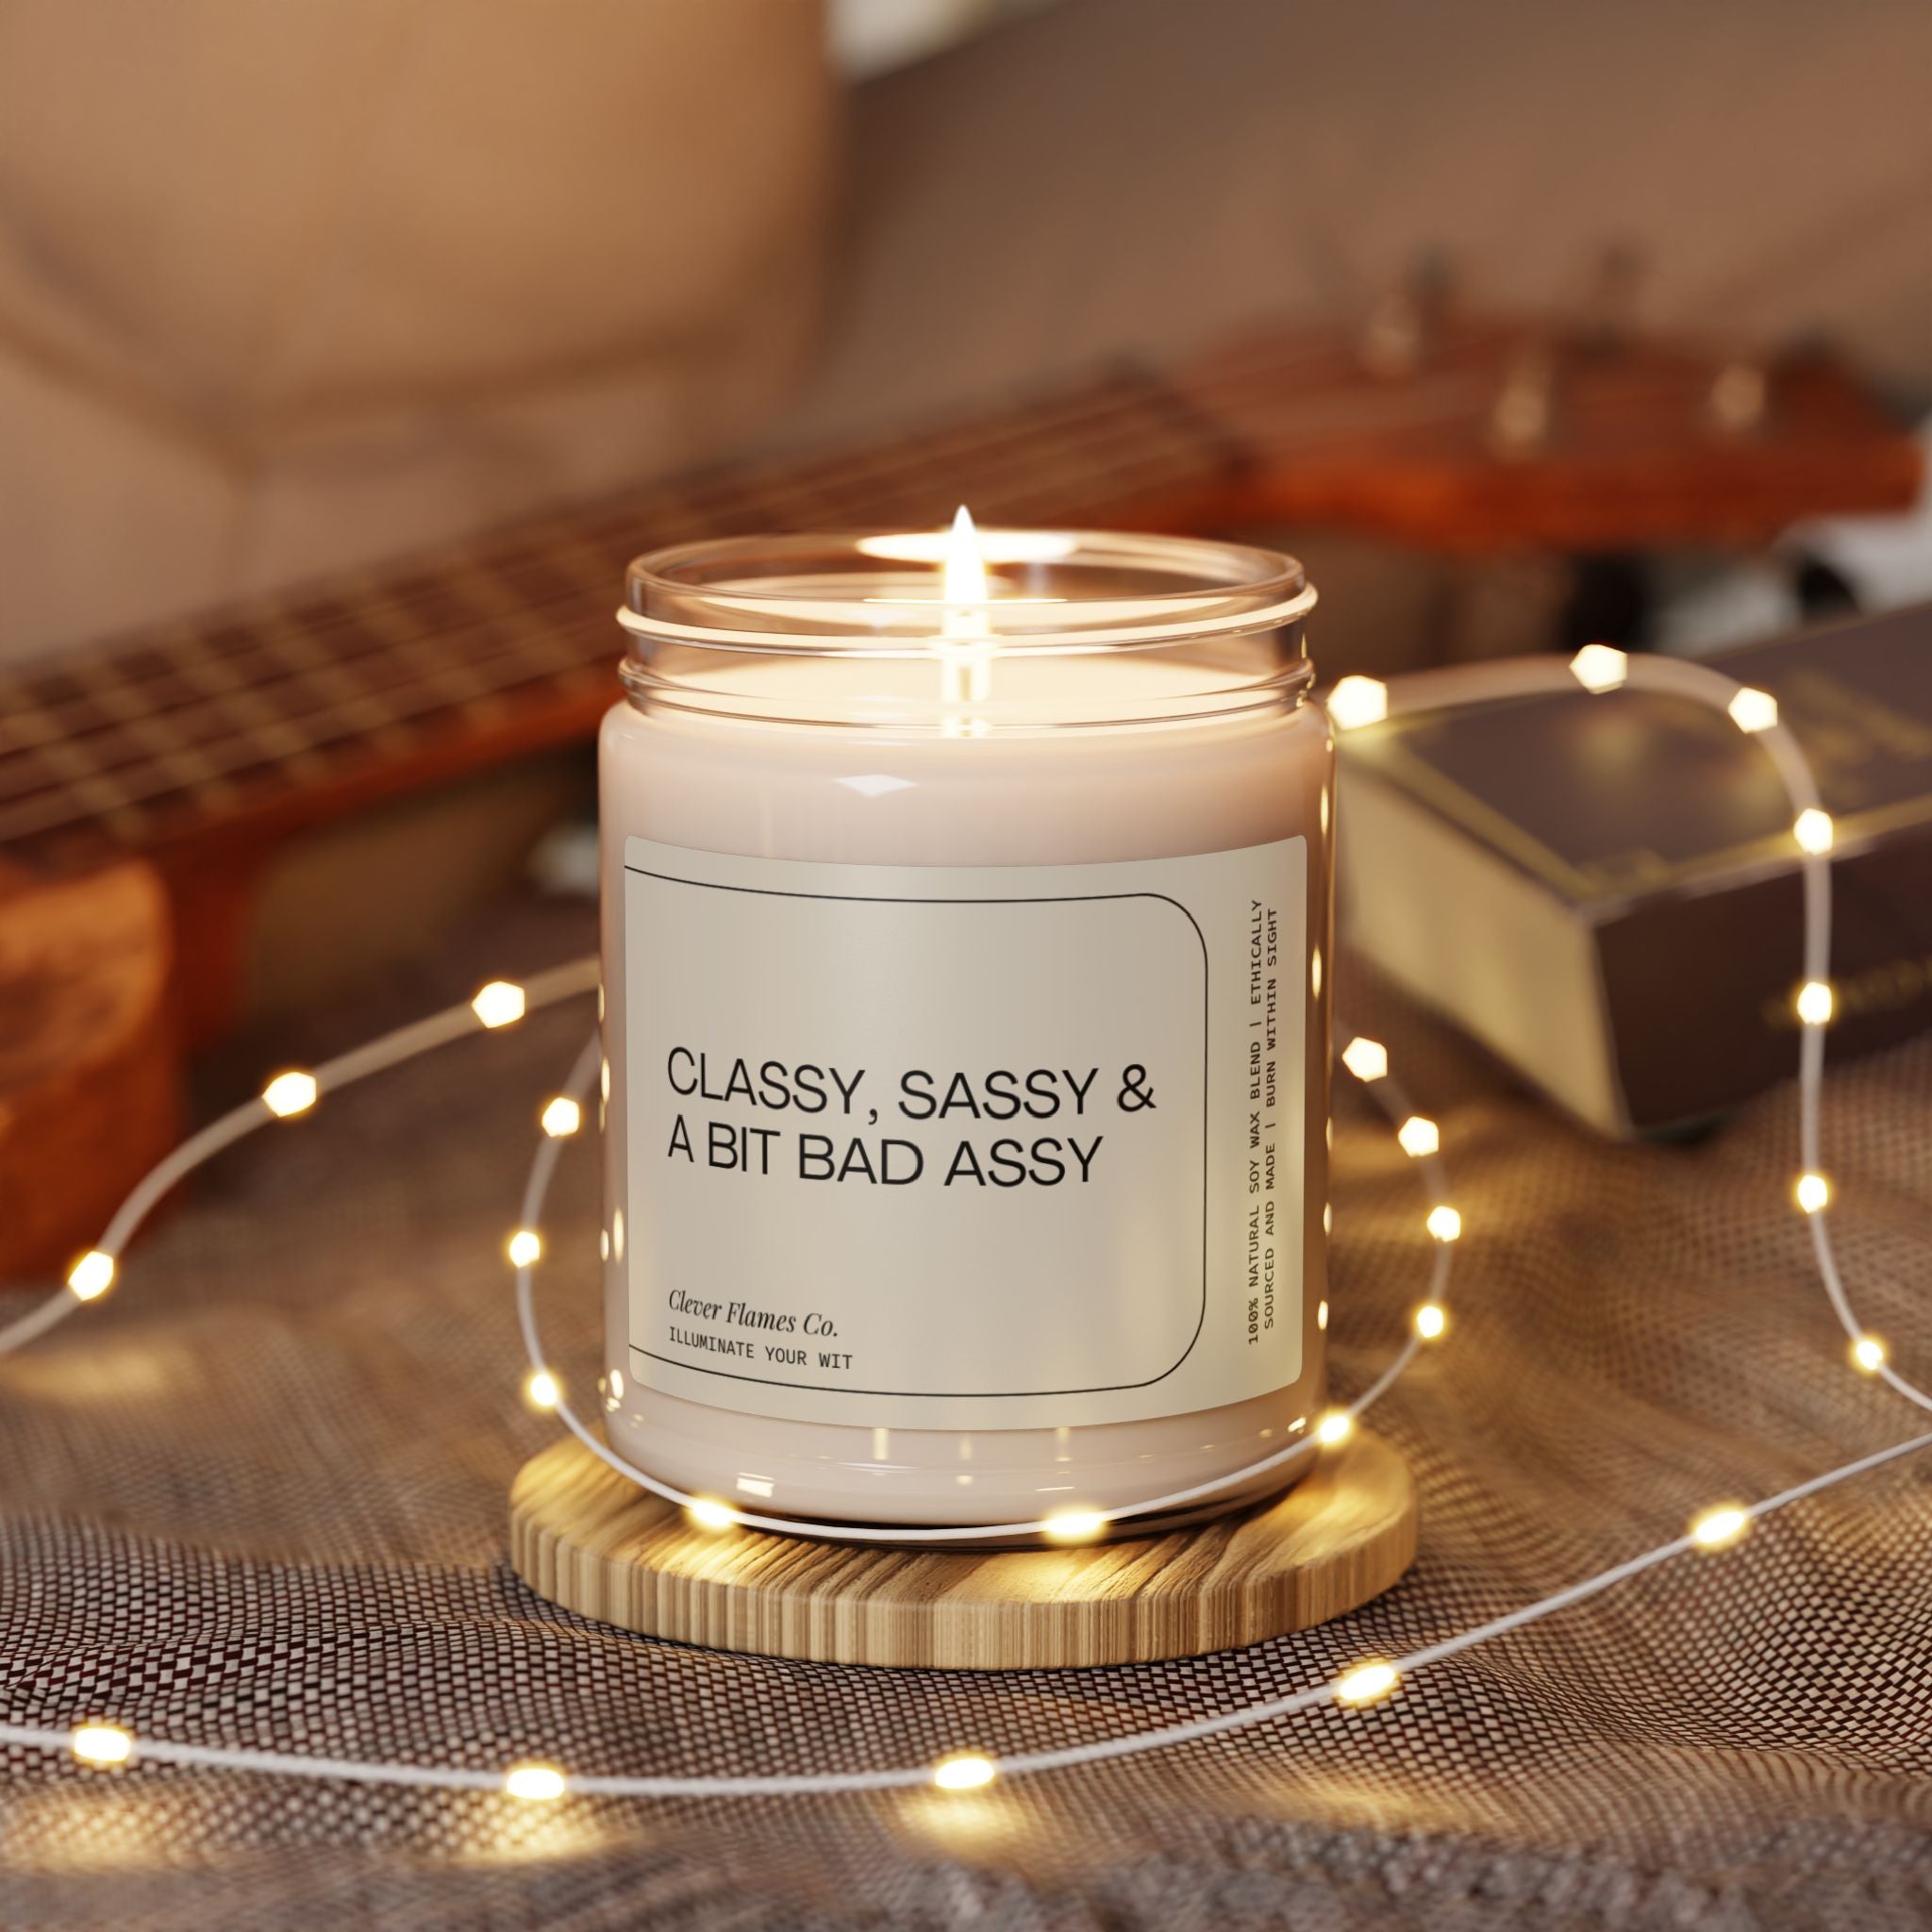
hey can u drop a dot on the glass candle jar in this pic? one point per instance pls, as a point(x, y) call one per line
point(966, 911)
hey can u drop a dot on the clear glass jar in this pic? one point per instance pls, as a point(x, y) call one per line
point(819, 766)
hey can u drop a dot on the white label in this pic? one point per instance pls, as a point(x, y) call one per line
point(974, 1147)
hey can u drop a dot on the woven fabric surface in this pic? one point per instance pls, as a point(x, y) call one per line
point(256, 1497)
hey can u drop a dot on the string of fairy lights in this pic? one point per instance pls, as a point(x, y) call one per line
point(1354, 703)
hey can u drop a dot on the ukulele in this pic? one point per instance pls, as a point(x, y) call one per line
point(145, 781)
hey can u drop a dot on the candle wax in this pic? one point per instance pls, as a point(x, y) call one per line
point(859, 795)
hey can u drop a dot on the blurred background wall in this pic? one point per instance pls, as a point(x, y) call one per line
point(1135, 172)
point(288, 289)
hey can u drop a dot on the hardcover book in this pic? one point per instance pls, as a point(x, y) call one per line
point(1605, 890)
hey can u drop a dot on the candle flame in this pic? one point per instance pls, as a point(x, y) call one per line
point(964, 566)
point(965, 649)
point(995, 547)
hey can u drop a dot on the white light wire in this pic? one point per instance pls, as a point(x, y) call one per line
point(1504, 680)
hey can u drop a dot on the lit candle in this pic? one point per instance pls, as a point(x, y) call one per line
point(966, 901)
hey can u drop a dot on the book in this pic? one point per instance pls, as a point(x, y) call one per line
point(1604, 891)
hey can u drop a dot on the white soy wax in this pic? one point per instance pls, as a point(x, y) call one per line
point(966, 1022)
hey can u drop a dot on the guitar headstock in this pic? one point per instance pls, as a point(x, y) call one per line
point(1470, 433)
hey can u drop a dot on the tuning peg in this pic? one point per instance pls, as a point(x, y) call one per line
point(1392, 345)
point(1611, 293)
point(1524, 408)
point(1405, 323)
point(1740, 395)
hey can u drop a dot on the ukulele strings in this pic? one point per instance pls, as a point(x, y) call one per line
point(285, 648)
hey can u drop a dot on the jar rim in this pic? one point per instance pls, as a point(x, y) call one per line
point(1057, 593)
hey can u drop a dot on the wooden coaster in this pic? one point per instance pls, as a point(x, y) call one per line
point(585, 1538)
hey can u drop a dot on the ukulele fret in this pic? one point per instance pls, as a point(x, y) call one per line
point(239, 700)
point(290, 645)
point(244, 752)
point(157, 732)
point(73, 772)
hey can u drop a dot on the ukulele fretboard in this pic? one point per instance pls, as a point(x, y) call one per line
point(507, 642)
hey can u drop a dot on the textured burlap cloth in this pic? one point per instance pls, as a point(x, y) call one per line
point(258, 1497)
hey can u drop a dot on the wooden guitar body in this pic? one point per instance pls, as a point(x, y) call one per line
point(90, 1057)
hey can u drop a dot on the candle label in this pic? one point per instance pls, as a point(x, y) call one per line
point(974, 1147)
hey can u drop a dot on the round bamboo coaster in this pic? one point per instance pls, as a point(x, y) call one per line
point(583, 1537)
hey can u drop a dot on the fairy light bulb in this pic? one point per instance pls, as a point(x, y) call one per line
point(561, 1118)
point(1338, 1425)
point(91, 1275)
point(102, 1744)
point(709, 1515)
point(1367, 1059)
point(1322, 1317)
point(1600, 667)
point(966, 1770)
point(1814, 831)
point(1868, 1355)
point(1815, 1002)
point(1812, 1192)
point(535, 1784)
point(291, 1094)
point(525, 1248)
point(1075, 1526)
point(1444, 1222)
point(1417, 1137)
point(1752, 710)
point(541, 1390)
point(1716, 1528)
point(1357, 701)
point(1367, 1684)
point(1431, 1320)
point(499, 1004)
